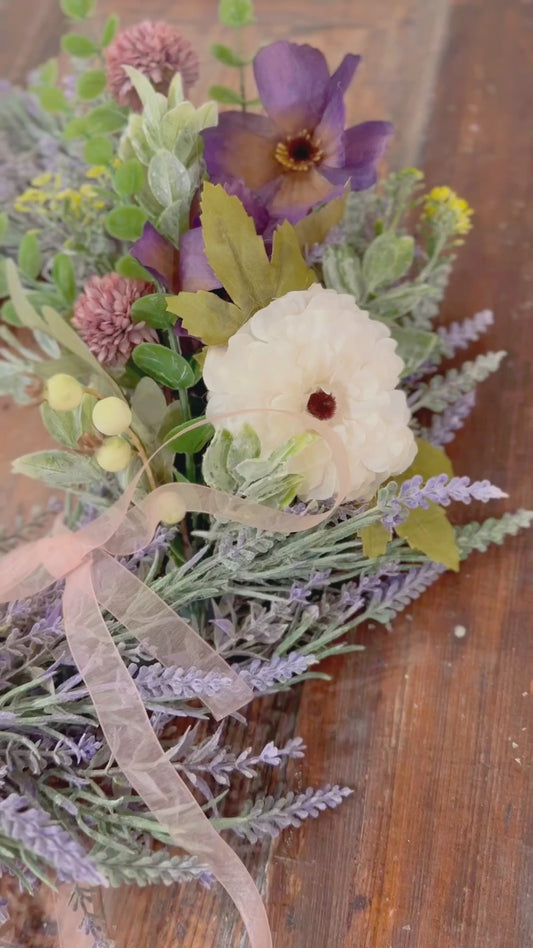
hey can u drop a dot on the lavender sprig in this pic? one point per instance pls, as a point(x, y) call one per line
point(398, 592)
point(459, 335)
point(32, 827)
point(443, 490)
point(443, 427)
point(268, 817)
point(444, 390)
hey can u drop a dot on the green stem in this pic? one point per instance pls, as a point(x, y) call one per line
point(242, 80)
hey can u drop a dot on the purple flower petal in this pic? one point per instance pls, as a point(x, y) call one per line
point(241, 146)
point(292, 81)
point(366, 142)
point(292, 195)
point(330, 132)
point(157, 255)
point(195, 272)
point(343, 76)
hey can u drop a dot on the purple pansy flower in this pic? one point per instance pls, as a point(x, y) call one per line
point(298, 154)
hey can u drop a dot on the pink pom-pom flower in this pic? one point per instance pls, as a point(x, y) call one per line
point(102, 316)
point(156, 49)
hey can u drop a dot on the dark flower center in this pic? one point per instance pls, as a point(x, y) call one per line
point(322, 405)
point(299, 152)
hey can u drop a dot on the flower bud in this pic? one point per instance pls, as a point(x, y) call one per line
point(114, 455)
point(111, 416)
point(63, 392)
point(170, 508)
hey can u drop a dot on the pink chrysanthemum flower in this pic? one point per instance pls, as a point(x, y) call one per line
point(102, 316)
point(156, 49)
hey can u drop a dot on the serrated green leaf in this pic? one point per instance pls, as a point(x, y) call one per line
point(228, 56)
point(129, 267)
point(182, 441)
point(79, 46)
point(234, 250)
point(110, 30)
point(64, 277)
point(288, 268)
point(91, 84)
point(224, 95)
point(162, 364)
point(431, 532)
point(315, 227)
point(375, 538)
point(126, 223)
point(236, 13)
point(52, 99)
point(104, 119)
point(98, 151)
point(152, 310)
point(128, 178)
point(29, 256)
point(206, 316)
point(387, 259)
point(77, 9)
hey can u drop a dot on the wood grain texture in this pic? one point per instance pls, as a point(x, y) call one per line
point(433, 850)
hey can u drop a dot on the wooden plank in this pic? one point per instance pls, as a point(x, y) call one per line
point(430, 730)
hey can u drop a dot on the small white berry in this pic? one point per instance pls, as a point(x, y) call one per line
point(170, 508)
point(63, 392)
point(114, 455)
point(112, 416)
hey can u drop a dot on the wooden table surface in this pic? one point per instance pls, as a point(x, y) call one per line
point(432, 732)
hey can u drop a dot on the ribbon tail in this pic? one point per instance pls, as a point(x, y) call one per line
point(165, 634)
point(141, 758)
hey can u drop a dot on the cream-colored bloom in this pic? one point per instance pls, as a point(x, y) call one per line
point(316, 352)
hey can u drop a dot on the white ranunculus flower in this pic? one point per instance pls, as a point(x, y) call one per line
point(315, 351)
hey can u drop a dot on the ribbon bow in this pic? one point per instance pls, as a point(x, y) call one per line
point(93, 578)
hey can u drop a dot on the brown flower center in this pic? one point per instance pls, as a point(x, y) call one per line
point(322, 405)
point(299, 152)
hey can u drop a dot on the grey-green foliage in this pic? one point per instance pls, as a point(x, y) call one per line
point(233, 463)
point(165, 138)
point(443, 390)
point(18, 364)
point(143, 867)
point(479, 536)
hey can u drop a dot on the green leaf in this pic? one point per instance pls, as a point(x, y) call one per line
point(162, 364)
point(430, 461)
point(228, 56)
point(59, 469)
point(215, 462)
point(104, 119)
point(9, 314)
point(4, 290)
point(126, 223)
point(77, 9)
point(388, 258)
point(4, 224)
point(131, 268)
point(288, 267)
point(414, 346)
point(128, 178)
point(375, 538)
point(206, 316)
point(152, 310)
point(64, 277)
point(79, 46)
point(64, 426)
point(52, 99)
point(236, 13)
point(224, 95)
point(315, 227)
point(91, 84)
point(98, 151)
point(245, 446)
point(168, 179)
point(29, 256)
point(49, 72)
point(234, 250)
point(148, 403)
point(75, 128)
point(431, 532)
point(110, 30)
point(341, 269)
point(189, 442)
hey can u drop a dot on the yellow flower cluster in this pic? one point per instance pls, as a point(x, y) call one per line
point(48, 196)
point(444, 200)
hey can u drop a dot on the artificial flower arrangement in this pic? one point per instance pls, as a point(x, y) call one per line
point(233, 343)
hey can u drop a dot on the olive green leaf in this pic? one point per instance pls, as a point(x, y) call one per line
point(287, 266)
point(314, 228)
point(375, 538)
point(207, 316)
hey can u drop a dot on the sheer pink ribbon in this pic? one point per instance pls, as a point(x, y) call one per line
point(94, 578)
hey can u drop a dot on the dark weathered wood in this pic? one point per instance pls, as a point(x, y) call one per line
point(433, 732)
